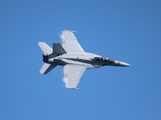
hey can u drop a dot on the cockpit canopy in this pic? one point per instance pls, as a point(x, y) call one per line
point(103, 59)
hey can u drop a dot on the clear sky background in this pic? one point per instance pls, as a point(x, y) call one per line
point(124, 30)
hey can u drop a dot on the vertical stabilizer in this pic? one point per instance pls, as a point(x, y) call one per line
point(58, 49)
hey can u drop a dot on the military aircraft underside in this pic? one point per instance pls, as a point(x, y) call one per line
point(73, 58)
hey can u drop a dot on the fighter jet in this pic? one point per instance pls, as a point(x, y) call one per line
point(73, 58)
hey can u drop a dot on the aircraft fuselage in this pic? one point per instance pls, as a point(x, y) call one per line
point(88, 60)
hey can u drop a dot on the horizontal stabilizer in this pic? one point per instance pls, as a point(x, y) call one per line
point(47, 68)
point(58, 49)
point(45, 48)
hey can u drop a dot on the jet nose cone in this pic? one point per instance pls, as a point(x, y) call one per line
point(123, 64)
point(126, 64)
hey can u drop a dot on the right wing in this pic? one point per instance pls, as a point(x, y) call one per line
point(70, 43)
point(72, 75)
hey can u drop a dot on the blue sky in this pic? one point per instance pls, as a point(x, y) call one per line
point(125, 30)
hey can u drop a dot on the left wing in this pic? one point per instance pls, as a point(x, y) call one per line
point(72, 75)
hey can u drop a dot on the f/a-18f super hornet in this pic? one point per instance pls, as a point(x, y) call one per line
point(73, 58)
